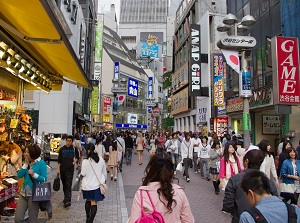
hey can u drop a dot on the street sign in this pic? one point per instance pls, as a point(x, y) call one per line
point(150, 103)
point(236, 42)
point(118, 90)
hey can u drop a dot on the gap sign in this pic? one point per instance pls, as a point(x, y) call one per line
point(195, 62)
point(286, 75)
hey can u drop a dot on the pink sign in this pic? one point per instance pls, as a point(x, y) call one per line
point(287, 78)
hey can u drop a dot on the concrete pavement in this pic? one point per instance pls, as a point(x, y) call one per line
point(205, 205)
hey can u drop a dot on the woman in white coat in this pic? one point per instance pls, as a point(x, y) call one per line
point(187, 155)
point(94, 173)
point(268, 165)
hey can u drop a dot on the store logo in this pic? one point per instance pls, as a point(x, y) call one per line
point(195, 58)
point(286, 73)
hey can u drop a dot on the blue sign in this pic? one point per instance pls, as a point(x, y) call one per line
point(133, 88)
point(150, 87)
point(131, 126)
point(150, 50)
point(220, 111)
point(117, 70)
point(149, 109)
point(245, 84)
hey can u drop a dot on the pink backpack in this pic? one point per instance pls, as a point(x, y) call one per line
point(154, 217)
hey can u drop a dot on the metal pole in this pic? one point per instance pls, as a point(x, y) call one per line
point(246, 110)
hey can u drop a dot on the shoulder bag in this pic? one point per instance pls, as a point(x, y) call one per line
point(154, 217)
point(41, 191)
point(103, 187)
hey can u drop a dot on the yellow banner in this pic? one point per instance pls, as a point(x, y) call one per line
point(95, 101)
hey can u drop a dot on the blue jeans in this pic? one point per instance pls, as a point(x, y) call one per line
point(175, 159)
point(128, 155)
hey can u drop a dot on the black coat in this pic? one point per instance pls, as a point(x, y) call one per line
point(235, 201)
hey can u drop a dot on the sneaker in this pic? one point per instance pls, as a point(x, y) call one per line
point(175, 172)
point(202, 177)
point(196, 171)
point(187, 179)
point(207, 178)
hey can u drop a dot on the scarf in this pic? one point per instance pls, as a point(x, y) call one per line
point(231, 165)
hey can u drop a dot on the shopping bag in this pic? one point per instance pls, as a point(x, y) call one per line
point(56, 183)
point(179, 166)
point(41, 191)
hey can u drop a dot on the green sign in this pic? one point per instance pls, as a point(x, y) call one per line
point(246, 121)
point(99, 39)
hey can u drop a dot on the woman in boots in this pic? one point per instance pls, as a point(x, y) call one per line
point(215, 155)
point(93, 171)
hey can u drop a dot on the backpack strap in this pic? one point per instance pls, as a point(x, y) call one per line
point(292, 216)
point(151, 201)
point(142, 204)
point(256, 215)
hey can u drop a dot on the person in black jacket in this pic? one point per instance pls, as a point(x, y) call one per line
point(129, 148)
point(235, 201)
point(67, 158)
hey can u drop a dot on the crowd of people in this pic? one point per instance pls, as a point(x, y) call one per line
point(224, 161)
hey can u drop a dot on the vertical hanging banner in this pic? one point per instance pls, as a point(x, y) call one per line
point(133, 87)
point(218, 72)
point(195, 62)
point(150, 87)
point(286, 75)
point(117, 70)
point(95, 99)
point(106, 109)
point(98, 48)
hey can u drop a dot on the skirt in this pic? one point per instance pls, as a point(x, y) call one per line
point(93, 195)
point(213, 170)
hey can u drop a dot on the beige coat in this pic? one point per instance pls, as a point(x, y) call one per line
point(181, 212)
point(139, 145)
point(113, 157)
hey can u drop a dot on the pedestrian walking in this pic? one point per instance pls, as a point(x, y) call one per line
point(229, 164)
point(129, 148)
point(203, 157)
point(186, 154)
point(34, 170)
point(139, 147)
point(112, 162)
point(152, 145)
point(255, 185)
point(290, 172)
point(121, 150)
point(282, 155)
point(235, 201)
point(93, 171)
point(67, 158)
point(99, 147)
point(175, 150)
point(160, 142)
point(215, 155)
point(268, 165)
point(47, 148)
point(158, 193)
point(196, 147)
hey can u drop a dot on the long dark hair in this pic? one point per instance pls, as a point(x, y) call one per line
point(284, 145)
point(226, 152)
point(161, 169)
point(92, 154)
point(263, 146)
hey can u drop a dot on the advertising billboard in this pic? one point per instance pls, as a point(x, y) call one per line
point(150, 44)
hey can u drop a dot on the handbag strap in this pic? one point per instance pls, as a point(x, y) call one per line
point(94, 172)
point(151, 200)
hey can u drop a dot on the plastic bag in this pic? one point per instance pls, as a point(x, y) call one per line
point(179, 166)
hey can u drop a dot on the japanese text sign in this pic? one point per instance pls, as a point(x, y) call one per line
point(133, 87)
point(286, 75)
point(271, 124)
point(218, 71)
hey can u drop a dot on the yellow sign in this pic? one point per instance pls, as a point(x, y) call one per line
point(13, 123)
point(95, 101)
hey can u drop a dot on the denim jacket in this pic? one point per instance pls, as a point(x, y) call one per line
point(287, 169)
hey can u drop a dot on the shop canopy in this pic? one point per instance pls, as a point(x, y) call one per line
point(38, 30)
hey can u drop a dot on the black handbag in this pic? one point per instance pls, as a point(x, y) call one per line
point(56, 183)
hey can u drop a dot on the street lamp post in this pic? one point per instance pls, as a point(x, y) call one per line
point(119, 86)
point(242, 44)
